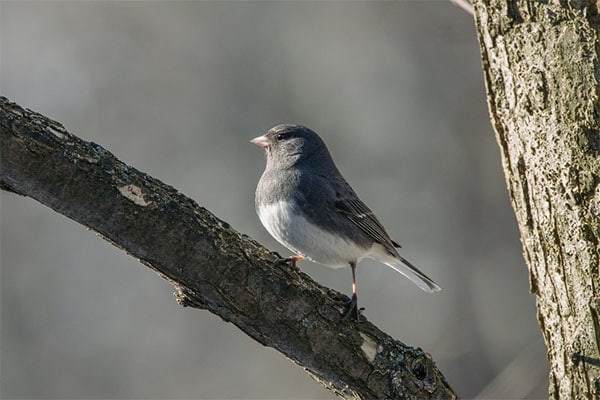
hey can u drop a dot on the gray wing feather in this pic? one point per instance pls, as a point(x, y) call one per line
point(348, 204)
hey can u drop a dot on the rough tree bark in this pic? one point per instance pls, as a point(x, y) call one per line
point(211, 265)
point(541, 68)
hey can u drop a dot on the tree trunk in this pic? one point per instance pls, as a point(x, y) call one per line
point(541, 67)
point(212, 266)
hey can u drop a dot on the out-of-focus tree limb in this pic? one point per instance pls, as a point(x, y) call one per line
point(464, 4)
point(212, 266)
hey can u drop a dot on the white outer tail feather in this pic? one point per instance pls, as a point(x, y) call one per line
point(408, 270)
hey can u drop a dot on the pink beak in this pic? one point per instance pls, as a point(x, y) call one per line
point(261, 141)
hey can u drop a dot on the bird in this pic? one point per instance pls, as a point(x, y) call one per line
point(305, 203)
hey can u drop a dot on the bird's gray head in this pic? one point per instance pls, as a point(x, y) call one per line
point(288, 145)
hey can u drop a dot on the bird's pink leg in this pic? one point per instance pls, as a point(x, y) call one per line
point(353, 305)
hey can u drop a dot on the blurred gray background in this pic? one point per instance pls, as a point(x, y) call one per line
point(177, 89)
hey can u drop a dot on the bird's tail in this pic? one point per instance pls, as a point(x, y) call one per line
point(401, 265)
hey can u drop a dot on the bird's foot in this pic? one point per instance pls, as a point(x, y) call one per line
point(353, 309)
point(291, 261)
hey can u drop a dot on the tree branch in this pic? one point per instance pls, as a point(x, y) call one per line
point(212, 266)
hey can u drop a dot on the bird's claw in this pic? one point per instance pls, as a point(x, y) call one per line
point(291, 261)
point(353, 309)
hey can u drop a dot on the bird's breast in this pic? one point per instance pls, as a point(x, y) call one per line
point(285, 222)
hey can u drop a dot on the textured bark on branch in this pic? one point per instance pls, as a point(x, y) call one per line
point(212, 266)
point(541, 66)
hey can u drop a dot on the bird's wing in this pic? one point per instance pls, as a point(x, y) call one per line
point(348, 204)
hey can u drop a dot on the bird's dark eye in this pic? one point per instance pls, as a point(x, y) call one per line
point(280, 136)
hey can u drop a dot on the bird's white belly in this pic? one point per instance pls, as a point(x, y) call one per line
point(296, 233)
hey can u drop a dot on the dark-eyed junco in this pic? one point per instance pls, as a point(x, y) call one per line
point(307, 205)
